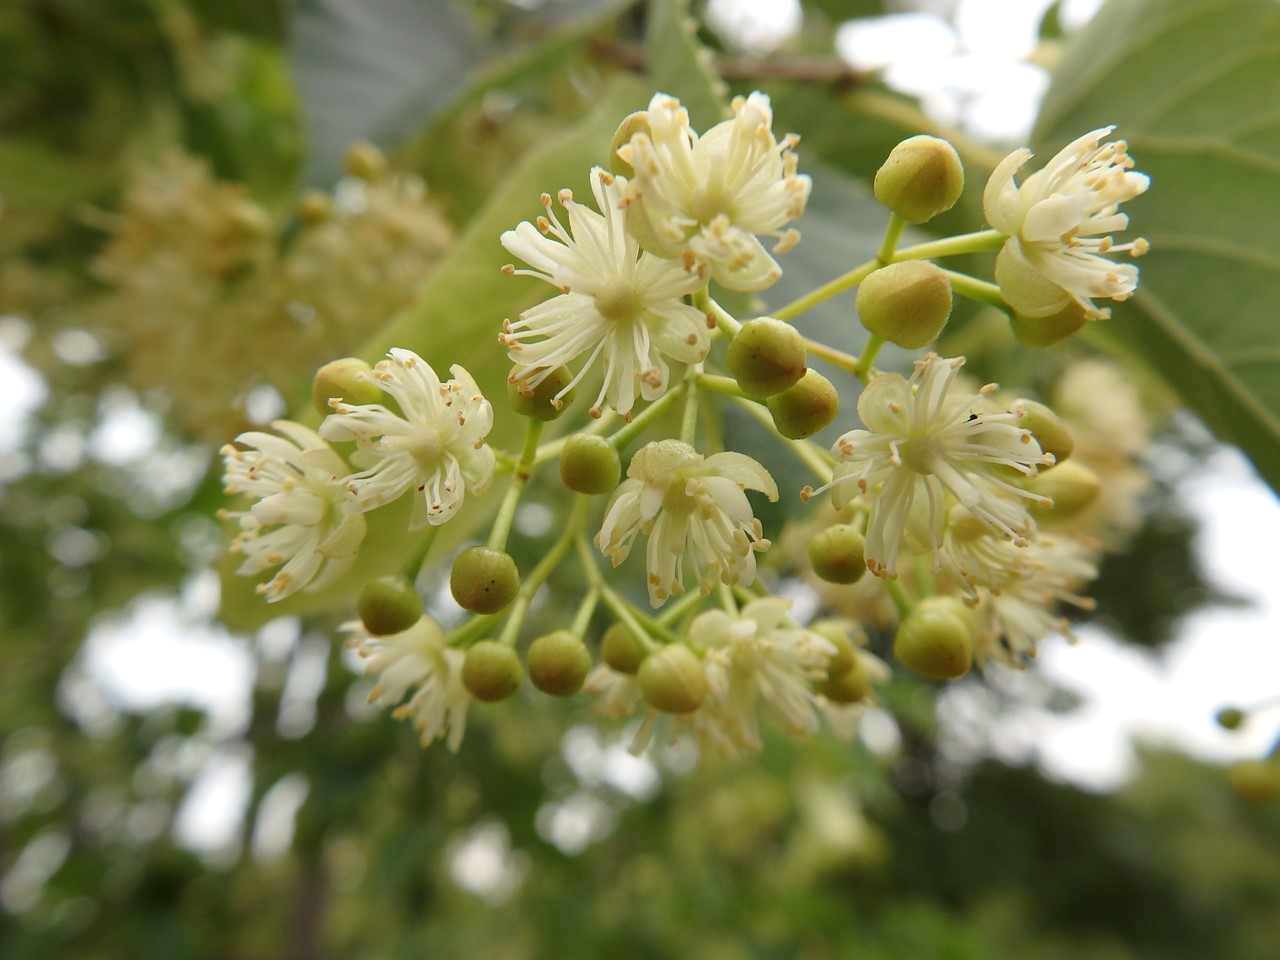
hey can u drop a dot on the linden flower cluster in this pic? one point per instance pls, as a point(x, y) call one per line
point(691, 212)
point(962, 519)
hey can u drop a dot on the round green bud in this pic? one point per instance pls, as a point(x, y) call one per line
point(850, 686)
point(766, 356)
point(1254, 781)
point(906, 303)
point(637, 122)
point(1069, 485)
point(936, 639)
point(344, 380)
point(483, 580)
point(921, 178)
point(540, 401)
point(672, 679)
point(837, 554)
point(491, 671)
point(558, 663)
point(365, 160)
point(315, 206)
point(1230, 718)
point(590, 464)
point(389, 605)
point(846, 636)
point(1047, 427)
point(620, 650)
point(803, 409)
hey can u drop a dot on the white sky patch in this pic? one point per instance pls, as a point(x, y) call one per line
point(482, 862)
point(752, 26)
point(153, 655)
point(212, 813)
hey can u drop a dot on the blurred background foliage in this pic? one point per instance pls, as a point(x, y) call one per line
point(181, 243)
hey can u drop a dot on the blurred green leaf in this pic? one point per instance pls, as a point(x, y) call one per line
point(680, 65)
point(1195, 87)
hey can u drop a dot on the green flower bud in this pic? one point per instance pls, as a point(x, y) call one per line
point(558, 663)
point(847, 636)
point(803, 409)
point(590, 464)
point(1069, 485)
point(1254, 781)
point(837, 554)
point(620, 650)
point(484, 580)
point(315, 206)
point(766, 356)
point(389, 605)
point(491, 671)
point(1046, 331)
point(637, 122)
point(921, 178)
point(1230, 718)
point(1047, 427)
point(364, 160)
point(672, 679)
point(344, 380)
point(936, 639)
point(540, 401)
point(850, 686)
point(906, 303)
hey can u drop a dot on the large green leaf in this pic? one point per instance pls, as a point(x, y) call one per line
point(1195, 88)
point(680, 65)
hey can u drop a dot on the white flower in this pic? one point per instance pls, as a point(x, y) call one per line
point(619, 305)
point(708, 196)
point(758, 658)
point(926, 441)
point(1023, 613)
point(618, 694)
point(292, 477)
point(437, 446)
point(418, 657)
point(691, 507)
point(1059, 223)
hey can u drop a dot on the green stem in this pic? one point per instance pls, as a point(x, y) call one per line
point(984, 241)
point(507, 511)
point(828, 290)
point(898, 594)
point(726, 600)
point(863, 370)
point(583, 617)
point(647, 416)
point(674, 611)
point(689, 419)
point(807, 452)
point(891, 234)
point(471, 630)
point(981, 290)
point(981, 242)
point(414, 564)
point(716, 314)
point(727, 385)
point(573, 526)
point(838, 358)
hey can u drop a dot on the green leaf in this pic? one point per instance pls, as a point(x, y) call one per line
point(680, 65)
point(456, 320)
point(1195, 88)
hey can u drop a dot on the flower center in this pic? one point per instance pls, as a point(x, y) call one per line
point(621, 304)
point(676, 501)
point(425, 446)
point(920, 453)
point(709, 202)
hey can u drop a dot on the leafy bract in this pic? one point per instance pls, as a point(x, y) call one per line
point(1194, 86)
